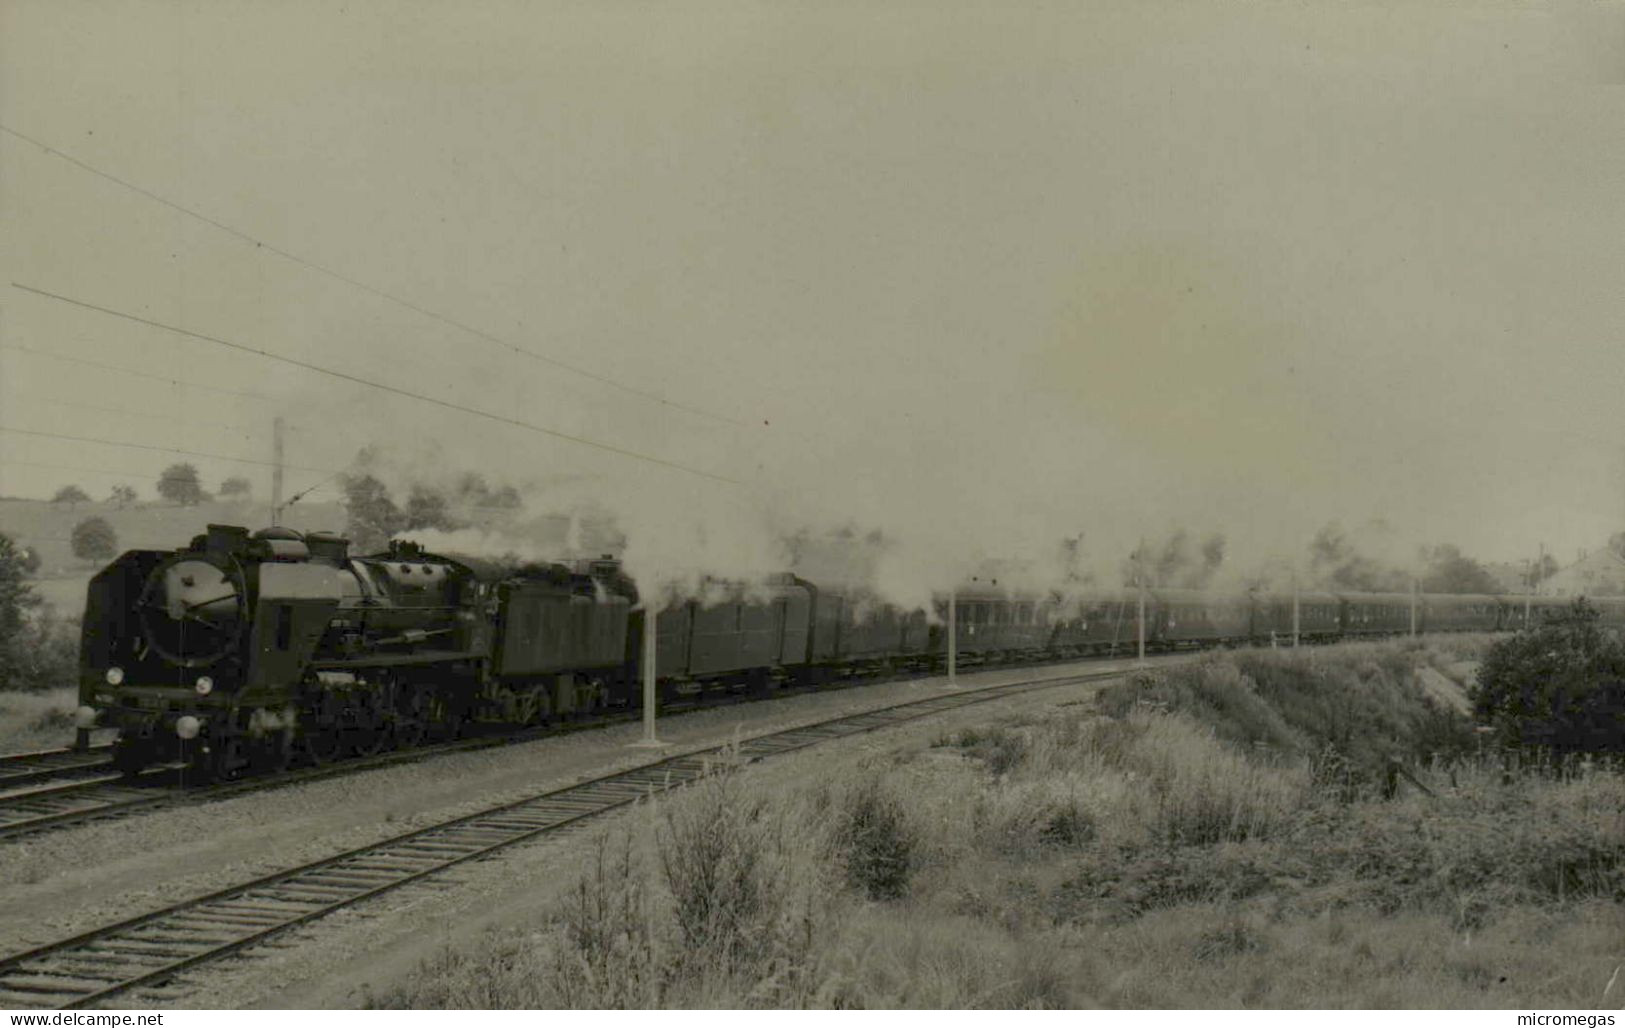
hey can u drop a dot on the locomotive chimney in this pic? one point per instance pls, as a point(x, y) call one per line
point(225, 539)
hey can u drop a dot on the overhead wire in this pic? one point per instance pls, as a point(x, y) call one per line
point(81, 405)
point(160, 449)
point(384, 387)
point(131, 371)
point(365, 287)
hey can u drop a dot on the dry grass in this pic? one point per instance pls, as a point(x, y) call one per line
point(1227, 836)
point(36, 720)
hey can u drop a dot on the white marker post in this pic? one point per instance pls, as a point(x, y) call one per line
point(1416, 595)
point(953, 635)
point(1529, 583)
point(1139, 578)
point(650, 637)
point(1296, 622)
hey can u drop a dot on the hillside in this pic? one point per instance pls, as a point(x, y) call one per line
point(1273, 829)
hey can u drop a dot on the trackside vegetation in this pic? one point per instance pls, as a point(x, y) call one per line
point(37, 651)
point(1557, 692)
point(1322, 828)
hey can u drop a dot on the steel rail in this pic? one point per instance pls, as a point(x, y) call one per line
point(43, 765)
point(151, 948)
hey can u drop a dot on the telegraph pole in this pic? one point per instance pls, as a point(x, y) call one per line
point(953, 633)
point(276, 469)
point(1416, 596)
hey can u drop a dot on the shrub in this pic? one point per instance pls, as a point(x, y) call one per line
point(745, 878)
point(876, 843)
point(607, 953)
point(1556, 690)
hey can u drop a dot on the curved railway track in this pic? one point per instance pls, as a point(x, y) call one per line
point(149, 950)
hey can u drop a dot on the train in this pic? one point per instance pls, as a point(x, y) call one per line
point(248, 651)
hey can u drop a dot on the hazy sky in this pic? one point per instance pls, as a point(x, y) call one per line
point(983, 273)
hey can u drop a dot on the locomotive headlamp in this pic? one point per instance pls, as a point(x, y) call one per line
point(205, 685)
point(187, 727)
point(84, 717)
point(115, 675)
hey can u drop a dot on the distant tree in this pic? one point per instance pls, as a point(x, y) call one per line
point(373, 518)
point(1543, 569)
point(235, 486)
point(1556, 689)
point(71, 495)
point(1450, 571)
point(121, 496)
point(94, 539)
point(180, 484)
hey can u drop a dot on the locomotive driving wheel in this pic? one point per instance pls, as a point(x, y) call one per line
point(276, 751)
point(226, 758)
point(321, 735)
point(410, 723)
point(367, 726)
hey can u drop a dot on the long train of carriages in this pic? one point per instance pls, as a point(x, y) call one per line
point(244, 651)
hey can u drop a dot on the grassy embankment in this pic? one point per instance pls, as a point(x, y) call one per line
point(1229, 834)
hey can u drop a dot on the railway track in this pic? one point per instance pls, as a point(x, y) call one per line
point(45, 765)
point(91, 791)
point(144, 952)
point(102, 795)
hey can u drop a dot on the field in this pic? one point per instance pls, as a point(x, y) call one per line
point(1262, 829)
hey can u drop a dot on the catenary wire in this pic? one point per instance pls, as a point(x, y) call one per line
point(358, 284)
point(359, 380)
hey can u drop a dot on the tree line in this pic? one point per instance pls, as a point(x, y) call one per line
point(179, 484)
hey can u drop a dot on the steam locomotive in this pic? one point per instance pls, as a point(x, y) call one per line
point(246, 651)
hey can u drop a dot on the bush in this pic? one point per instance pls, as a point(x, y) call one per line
point(1557, 690)
point(607, 954)
point(875, 841)
point(744, 878)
